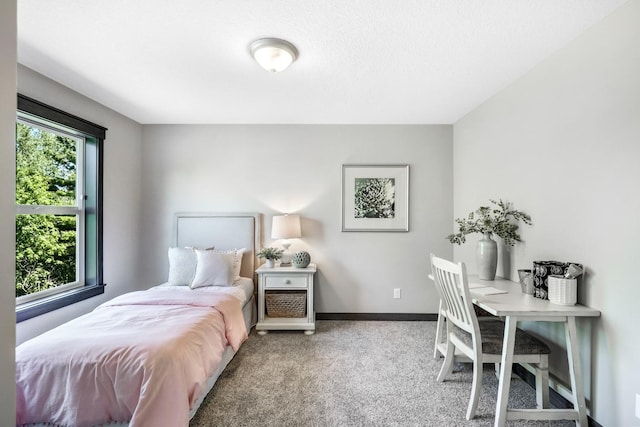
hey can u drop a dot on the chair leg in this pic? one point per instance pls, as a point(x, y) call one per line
point(542, 383)
point(447, 365)
point(475, 389)
point(439, 332)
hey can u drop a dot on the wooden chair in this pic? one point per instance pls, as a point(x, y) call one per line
point(481, 341)
point(440, 345)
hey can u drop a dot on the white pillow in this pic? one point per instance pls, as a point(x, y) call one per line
point(213, 269)
point(182, 266)
point(237, 262)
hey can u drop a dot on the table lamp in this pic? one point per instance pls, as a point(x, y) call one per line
point(285, 227)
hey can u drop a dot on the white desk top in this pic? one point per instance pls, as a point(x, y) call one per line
point(516, 303)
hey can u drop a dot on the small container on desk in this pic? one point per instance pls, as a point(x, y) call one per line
point(562, 291)
point(526, 281)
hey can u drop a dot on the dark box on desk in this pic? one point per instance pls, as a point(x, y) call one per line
point(541, 272)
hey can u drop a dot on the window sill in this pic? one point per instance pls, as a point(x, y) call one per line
point(54, 302)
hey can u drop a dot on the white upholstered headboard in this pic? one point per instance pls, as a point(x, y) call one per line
point(223, 231)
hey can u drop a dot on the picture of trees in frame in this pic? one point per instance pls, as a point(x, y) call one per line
point(375, 197)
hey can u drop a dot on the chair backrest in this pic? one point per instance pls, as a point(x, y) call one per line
point(451, 283)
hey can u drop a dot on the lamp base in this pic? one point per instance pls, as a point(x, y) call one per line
point(285, 259)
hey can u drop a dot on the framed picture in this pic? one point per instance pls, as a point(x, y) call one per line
point(375, 197)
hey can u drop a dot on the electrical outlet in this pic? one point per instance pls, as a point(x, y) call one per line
point(396, 292)
point(637, 405)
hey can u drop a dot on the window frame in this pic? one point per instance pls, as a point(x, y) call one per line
point(91, 263)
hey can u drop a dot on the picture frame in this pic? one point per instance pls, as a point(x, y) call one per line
point(375, 198)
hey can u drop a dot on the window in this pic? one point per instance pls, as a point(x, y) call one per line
point(58, 209)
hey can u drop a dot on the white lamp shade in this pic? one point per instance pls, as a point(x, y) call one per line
point(285, 227)
point(273, 54)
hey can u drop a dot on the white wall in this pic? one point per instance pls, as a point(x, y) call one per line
point(7, 209)
point(122, 191)
point(563, 144)
point(297, 168)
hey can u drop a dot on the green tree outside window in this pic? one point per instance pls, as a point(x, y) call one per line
point(45, 176)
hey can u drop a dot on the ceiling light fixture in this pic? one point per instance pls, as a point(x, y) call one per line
point(273, 54)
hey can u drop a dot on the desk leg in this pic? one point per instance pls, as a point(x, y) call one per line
point(505, 371)
point(575, 371)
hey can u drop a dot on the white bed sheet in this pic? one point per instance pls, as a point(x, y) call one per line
point(242, 288)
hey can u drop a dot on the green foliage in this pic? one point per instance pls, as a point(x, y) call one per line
point(270, 253)
point(499, 221)
point(45, 167)
point(45, 252)
point(45, 176)
point(374, 198)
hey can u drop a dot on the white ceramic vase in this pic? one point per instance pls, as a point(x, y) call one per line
point(487, 257)
point(270, 263)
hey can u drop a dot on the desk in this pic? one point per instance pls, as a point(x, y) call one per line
point(516, 306)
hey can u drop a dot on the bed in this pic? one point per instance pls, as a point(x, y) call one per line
point(149, 357)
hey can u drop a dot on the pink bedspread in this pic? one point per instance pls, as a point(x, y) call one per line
point(143, 357)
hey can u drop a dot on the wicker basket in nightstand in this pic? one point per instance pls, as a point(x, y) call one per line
point(286, 303)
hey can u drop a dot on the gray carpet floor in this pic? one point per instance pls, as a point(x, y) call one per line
point(351, 373)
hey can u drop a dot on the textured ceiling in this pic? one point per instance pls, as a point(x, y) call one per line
point(361, 61)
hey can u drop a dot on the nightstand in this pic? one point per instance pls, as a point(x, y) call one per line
point(279, 280)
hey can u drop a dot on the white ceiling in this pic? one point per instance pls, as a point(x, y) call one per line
point(361, 61)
